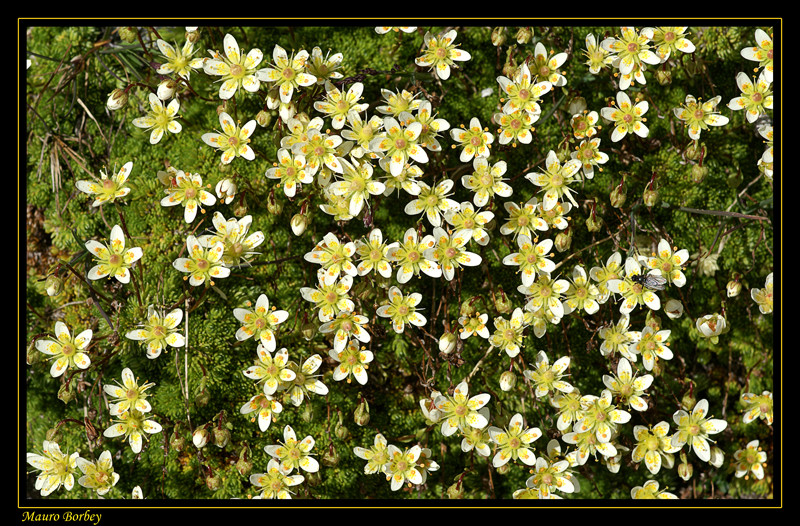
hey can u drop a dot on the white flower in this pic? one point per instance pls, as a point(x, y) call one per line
point(159, 119)
point(459, 412)
point(236, 70)
point(233, 141)
point(287, 74)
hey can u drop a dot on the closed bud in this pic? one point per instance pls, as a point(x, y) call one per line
point(65, 393)
point(274, 206)
point(685, 469)
point(263, 118)
point(244, 464)
point(505, 468)
point(734, 179)
point(563, 240)
point(202, 397)
point(717, 457)
point(299, 223)
point(331, 457)
point(225, 190)
point(117, 99)
point(467, 308)
point(456, 491)
point(734, 287)
point(307, 415)
point(698, 173)
point(594, 223)
point(166, 89)
point(192, 34)
point(447, 342)
point(498, 36)
point(688, 401)
point(308, 330)
point(664, 76)
point(177, 442)
point(128, 34)
point(650, 196)
point(524, 35)
point(361, 415)
point(221, 437)
point(53, 285)
point(501, 303)
point(53, 434)
point(577, 105)
point(694, 152)
point(240, 207)
point(508, 380)
point(200, 437)
point(213, 482)
point(340, 431)
point(618, 195)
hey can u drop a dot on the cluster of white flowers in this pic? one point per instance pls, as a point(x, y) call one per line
point(365, 158)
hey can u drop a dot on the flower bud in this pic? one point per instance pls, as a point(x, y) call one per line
point(673, 308)
point(331, 457)
point(308, 330)
point(65, 393)
point(688, 401)
point(53, 285)
point(734, 287)
point(307, 415)
point(650, 196)
point(563, 240)
point(340, 430)
point(53, 434)
point(467, 308)
point(576, 106)
point(498, 36)
point(117, 99)
point(717, 457)
point(240, 207)
point(192, 34)
point(501, 303)
point(734, 179)
point(456, 491)
point(698, 173)
point(200, 437)
point(594, 223)
point(447, 342)
point(128, 34)
point(712, 326)
point(244, 464)
point(274, 206)
point(361, 415)
point(166, 89)
point(213, 482)
point(664, 76)
point(694, 152)
point(263, 118)
point(177, 442)
point(684, 468)
point(524, 35)
point(225, 190)
point(508, 380)
point(221, 437)
point(618, 195)
point(299, 223)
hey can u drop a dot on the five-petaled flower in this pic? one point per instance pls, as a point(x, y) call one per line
point(204, 263)
point(441, 54)
point(187, 190)
point(260, 323)
point(113, 259)
point(107, 189)
point(159, 119)
point(694, 429)
point(233, 140)
point(237, 70)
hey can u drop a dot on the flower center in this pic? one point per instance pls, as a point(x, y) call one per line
point(237, 70)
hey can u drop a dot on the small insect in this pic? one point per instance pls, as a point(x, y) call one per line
point(650, 281)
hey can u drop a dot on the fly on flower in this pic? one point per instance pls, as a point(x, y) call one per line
point(650, 281)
